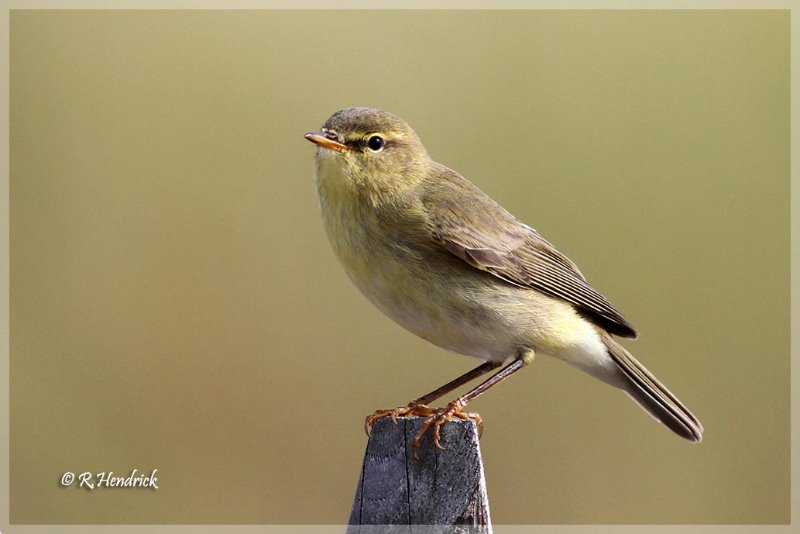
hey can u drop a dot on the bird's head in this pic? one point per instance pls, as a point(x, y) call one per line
point(374, 152)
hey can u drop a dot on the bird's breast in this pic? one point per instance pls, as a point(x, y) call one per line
point(401, 274)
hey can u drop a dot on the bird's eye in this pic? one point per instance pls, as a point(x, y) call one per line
point(375, 143)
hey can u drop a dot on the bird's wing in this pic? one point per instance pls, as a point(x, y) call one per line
point(470, 225)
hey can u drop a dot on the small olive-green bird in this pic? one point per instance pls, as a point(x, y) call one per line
point(438, 256)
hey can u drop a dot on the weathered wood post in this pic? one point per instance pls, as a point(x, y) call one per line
point(439, 490)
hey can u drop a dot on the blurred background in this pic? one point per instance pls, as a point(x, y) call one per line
point(175, 303)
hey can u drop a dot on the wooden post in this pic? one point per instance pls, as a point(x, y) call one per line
point(442, 487)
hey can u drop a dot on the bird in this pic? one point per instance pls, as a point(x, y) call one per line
point(445, 261)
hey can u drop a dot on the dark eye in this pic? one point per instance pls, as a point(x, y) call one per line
point(375, 143)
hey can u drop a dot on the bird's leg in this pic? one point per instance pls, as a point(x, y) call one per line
point(458, 382)
point(419, 407)
point(454, 409)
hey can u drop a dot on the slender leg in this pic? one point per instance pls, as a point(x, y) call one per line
point(460, 381)
point(453, 409)
point(419, 406)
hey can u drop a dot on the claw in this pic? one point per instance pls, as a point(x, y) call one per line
point(413, 408)
point(439, 417)
point(433, 418)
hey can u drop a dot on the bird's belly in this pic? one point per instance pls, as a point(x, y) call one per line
point(469, 313)
point(491, 321)
point(444, 320)
point(413, 293)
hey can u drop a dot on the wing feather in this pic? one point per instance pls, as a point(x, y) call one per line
point(470, 225)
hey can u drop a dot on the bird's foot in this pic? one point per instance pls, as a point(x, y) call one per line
point(413, 408)
point(439, 417)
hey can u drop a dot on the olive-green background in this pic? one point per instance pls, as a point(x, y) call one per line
point(175, 305)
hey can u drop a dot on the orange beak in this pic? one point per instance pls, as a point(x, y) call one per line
point(326, 142)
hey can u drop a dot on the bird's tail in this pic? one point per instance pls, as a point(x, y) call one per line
point(651, 394)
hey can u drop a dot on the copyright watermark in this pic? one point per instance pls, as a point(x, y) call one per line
point(106, 479)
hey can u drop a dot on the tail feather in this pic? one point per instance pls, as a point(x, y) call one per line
point(651, 394)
